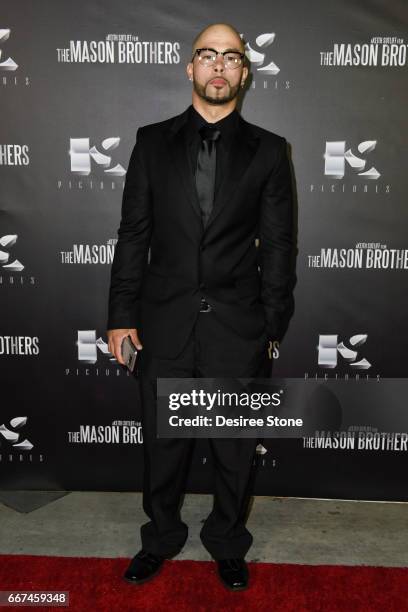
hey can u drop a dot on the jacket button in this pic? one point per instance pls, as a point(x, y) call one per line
point(202, 247)
point(202, 285)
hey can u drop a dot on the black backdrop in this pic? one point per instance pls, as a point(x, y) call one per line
point(331, 78)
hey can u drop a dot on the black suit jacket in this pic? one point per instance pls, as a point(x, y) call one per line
point(165, 260)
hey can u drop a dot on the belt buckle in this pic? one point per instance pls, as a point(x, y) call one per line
point(205, 306)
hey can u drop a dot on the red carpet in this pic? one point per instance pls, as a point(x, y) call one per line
point(97, 584)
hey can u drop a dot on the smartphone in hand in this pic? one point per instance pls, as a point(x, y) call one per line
point(129, 353)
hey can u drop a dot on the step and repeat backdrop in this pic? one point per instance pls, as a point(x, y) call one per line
point(76, 81)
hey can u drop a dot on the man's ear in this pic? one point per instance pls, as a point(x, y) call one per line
point(245, 72)
point(189, 70)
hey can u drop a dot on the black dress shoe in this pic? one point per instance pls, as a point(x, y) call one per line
point(233, 573)
point(143, 567)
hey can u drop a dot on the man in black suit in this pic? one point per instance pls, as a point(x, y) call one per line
point(202, 280)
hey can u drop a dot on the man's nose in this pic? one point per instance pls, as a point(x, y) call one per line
point(219, 63)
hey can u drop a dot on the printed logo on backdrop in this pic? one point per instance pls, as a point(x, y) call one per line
point(14, 155)
point(364, 256)
point(10, 266)
point(120, 49)
point(357, 438)
point(329, 350)
point(28, 346)
point(89, 346)
point(119, 432)
point(344, 357)
point(8, 66)
point(93, 357)
point(15, 447)
point(86, 160)
point(349, 168)
point(336, 158)
point(8, 242)
point(90, 254)
point(82, 154)
point(264, 70)
point(380, 52)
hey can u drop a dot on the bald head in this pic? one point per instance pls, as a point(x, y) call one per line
point(219, 34)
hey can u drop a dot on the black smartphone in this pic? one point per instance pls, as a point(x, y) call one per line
point(129, 353)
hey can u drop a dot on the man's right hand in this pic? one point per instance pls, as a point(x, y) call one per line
point(115, 338)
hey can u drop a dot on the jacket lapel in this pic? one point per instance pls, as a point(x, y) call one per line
point(178, 154)
point(239, 159)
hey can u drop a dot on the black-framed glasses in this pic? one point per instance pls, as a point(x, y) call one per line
point(208, 57)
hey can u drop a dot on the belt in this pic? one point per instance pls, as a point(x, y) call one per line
point(205, 306)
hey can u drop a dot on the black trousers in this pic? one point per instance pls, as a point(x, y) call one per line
point(213, 350)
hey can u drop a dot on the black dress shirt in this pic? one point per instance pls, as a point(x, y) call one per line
point(228, 126)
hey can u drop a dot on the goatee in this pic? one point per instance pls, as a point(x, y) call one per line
point(200, 90)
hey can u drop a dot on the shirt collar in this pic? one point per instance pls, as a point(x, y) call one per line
point(227, 125)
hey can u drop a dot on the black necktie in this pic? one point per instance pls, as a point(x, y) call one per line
point(206, 167)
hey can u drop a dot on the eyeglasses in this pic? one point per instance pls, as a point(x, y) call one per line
point(208, 57)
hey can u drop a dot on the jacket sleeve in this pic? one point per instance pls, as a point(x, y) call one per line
point(277, 248)
point(132, 247)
